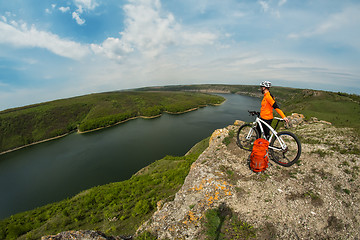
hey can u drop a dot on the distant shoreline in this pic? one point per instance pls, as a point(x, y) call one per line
point(148, 117)
point(34, 143)
point(96, 129)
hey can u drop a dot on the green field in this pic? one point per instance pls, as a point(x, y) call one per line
point(29, 124)
point(341, 109)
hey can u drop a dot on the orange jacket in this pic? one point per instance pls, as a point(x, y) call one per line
point(267, 106)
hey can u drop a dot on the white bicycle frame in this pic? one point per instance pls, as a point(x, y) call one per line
point(273, 132)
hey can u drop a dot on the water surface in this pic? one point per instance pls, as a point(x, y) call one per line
point(54, 170)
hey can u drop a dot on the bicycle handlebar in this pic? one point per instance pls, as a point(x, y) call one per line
point(254, 113)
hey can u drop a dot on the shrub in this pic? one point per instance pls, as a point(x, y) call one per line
point(146, 236)
point(212, 223)
point(222, 223)
point(141, 207)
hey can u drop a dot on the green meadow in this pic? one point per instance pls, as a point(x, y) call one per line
point(341, 109)
point(33, 123)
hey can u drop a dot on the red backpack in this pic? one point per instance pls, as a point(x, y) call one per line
point(259, 156)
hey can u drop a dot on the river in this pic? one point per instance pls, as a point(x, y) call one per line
point(61, 168)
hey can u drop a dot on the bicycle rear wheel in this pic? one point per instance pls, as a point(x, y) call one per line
point(288, 156)
point(246, 136)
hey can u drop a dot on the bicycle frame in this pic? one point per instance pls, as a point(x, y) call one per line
point(273, 132)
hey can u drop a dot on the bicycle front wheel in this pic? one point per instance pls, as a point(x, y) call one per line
point(288, 154)
point(246, 136)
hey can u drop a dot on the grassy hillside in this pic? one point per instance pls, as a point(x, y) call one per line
point(341, 109)
point(115, 209)
point(29, 124)
point(281, 93)
point(119, 208)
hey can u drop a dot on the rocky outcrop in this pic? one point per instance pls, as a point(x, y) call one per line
point(315, 120)
point(82, 235)
point(318, 198)
point(295, 120)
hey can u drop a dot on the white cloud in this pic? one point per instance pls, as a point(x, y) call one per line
point(150, 30)
point(341, 27)
point(273, 10)
point(282, 2)
point(31, 37)
point(80, 10)
point(198, 38)
point(113, 48)
point(77, 18)
point(86, 4)
point(147, 28)
point(265, 6)
point(238, 14)
point(49, 11)
point(83, 5)
point(14, 23)
point(64, 9)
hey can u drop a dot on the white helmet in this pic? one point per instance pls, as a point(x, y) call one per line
point(266, 84)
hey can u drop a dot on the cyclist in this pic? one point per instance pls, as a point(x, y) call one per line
point(267, 105)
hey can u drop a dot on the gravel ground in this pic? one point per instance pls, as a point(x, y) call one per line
point(316, 198)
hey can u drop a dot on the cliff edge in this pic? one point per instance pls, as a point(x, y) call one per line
point(317, 198)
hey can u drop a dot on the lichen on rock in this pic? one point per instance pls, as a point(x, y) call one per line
point(314, 199)
point(82, 235)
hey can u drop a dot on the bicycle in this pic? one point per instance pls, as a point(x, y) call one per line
point(284, 147)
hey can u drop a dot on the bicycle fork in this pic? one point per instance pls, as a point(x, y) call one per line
point(249, 134)
point(283, 146)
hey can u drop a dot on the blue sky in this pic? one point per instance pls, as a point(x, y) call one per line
point(51, 49)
